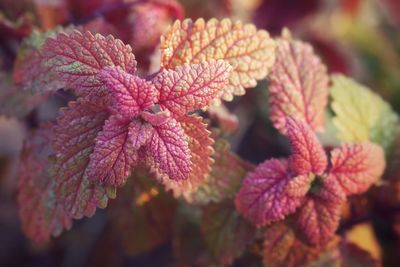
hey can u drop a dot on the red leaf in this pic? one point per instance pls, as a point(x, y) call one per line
point(318, 217)
point(307, 153)
point(191, 87)
point(169, 152)
point(357, 166)
point(41, 214)
point(264, 196)
point(299, 85)
point(200, 145)
point(78, 57)
point(77, 127)
point(130, 95)
point(114, 154)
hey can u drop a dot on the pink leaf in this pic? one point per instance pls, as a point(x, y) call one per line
point(75, 133)
point(307, 152)
point(191, 87)
point(318, 217)
point(200, 145)
point(264, 196)
point(357, 166)
point(41, 214)
point(299, 85)
point(113, 155)
point(169, 150)
point(78, 57)
point(130, 94)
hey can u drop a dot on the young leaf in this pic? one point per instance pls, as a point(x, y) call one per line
point(298, 85)
point(78, 57)
point(200, 146)
point(41, 214)
point(77, 127)
point(191, 87)
point(264, 197)
point(169, 150)
point(357, 166)
point(225, 232)
point(130, 95)
point(114, 154)
point(361, 115)
point(307, 153)
point(248, 51)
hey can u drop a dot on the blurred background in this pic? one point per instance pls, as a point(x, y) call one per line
point(359, 38)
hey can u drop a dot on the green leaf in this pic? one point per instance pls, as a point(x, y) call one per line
point(360, 114)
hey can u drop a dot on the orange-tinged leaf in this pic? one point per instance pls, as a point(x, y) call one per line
point(41, 213)
point(191, 87)
point(249, 51)
point(357, 166)
point(298, 85)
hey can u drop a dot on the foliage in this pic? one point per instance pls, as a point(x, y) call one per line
point(135, 91)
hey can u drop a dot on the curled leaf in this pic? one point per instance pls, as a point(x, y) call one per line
point(250, 52)
point(298, 85)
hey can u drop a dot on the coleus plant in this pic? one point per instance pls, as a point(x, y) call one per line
point(120, 120)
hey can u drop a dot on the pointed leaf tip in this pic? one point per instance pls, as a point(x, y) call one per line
point(307, 156)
